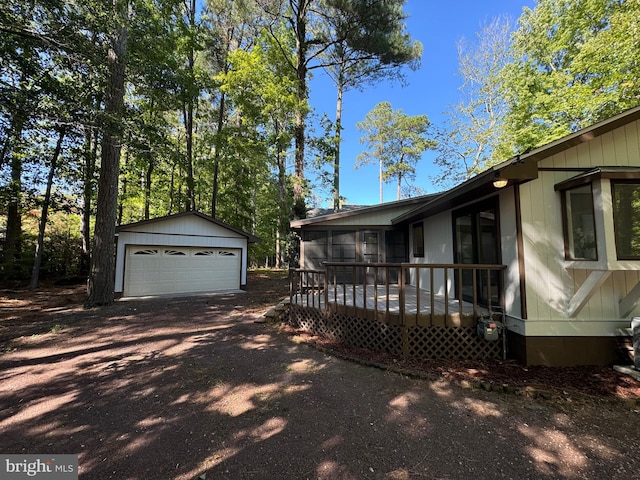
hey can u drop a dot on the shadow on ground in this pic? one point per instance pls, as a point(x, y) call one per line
point(193, 388)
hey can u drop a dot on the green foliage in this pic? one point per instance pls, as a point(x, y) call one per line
point(396, 142)
point(474, 125)
point(575, 63)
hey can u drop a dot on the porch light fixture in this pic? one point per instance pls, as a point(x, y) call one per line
point(500, 182)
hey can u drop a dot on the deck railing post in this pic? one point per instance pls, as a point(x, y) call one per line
point(432, 297)
point(446, 296)
point(402, 307)
point(401, 295)
point(326, 287)
point(291, 280)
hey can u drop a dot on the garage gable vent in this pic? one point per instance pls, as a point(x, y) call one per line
point(146, 252)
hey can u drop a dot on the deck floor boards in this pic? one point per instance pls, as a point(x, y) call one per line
point(387, 297)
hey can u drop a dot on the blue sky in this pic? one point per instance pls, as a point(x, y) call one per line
point(438, 26)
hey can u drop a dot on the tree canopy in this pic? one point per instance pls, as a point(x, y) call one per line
point(115, 112)
point(567, 65)
point(132, 109)
point(395, 142)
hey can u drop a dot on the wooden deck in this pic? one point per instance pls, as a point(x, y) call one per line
point(384, 303)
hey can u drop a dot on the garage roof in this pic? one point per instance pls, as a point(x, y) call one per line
point(250, 238)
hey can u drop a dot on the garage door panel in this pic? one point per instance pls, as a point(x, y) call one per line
point(162, 270)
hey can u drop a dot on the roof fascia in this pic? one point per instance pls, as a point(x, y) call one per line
point(518, 169)
point(359, 211)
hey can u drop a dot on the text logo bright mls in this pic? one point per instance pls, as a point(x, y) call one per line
point(50, 467)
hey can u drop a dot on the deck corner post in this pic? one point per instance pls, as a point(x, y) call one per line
point(401, 296)
point(326, 288)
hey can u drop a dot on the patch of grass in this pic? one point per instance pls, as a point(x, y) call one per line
point(57, 328)
point(270, 272)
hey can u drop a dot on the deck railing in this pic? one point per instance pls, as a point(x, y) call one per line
point(405, 291)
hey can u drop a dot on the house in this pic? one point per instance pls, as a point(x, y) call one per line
point(355, 234)
point(177, 254)
point(564, 220)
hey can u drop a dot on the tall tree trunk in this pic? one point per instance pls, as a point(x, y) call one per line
point(299, 208)
point(216, 155)
point(172, 189)
point(101, 278)
point(90, 155)
point(37, 262)
point(381, 181)
point(188, 113)
point(13, 235)
point(188, 126)
point(337, 140)
point(148, 175)
point(147, 187)
point(281, 162)
point(125, 184)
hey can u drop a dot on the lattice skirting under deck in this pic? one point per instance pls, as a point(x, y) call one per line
point(426, 342)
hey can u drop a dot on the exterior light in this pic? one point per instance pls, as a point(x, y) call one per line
point(500, 182)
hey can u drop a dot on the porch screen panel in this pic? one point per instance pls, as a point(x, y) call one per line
point(343, 249)
point(370, 252)
point(465, 251)
point(315, 249)
point(395, 252)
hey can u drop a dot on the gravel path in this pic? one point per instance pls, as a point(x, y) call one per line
point(194, 388)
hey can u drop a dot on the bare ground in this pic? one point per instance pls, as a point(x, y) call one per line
point(192, 388)
point(24, 313)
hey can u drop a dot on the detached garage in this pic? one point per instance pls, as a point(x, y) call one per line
point(183, 253)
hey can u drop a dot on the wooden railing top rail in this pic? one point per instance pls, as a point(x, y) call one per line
point(477, 266)
point(306, 270)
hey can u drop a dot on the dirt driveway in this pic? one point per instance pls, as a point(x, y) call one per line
point(193, 388)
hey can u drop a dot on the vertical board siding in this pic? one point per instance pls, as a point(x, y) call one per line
point(509, 252)
point(438, 248)
point(549, 284)
point(186, 226)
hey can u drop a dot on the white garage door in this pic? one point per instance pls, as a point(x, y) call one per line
point(153, 270)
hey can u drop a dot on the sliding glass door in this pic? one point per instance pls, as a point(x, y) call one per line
point(477, 241)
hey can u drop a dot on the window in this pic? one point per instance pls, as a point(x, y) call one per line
point(418, 240)
point(204, 253)
point(370, 251)
point(626, 218)
point(315, 249)
point(476, 240)
point(172, 253)
point(579, 223)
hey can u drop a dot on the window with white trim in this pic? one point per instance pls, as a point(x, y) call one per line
point(626, 218)
point(579, 222)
